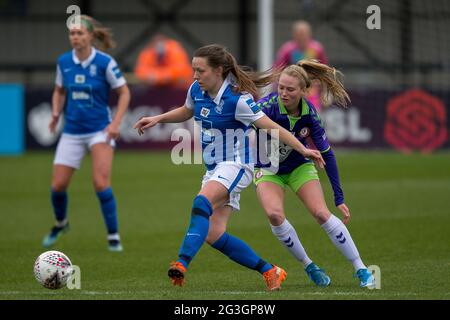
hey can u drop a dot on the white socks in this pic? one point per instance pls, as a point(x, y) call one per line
point(285, 232)
point(341, 238)
point(61, 224)
point(113, 236)
point(335, 229)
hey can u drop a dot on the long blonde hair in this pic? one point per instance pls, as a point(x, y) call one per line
point(247, 81)
point(103, 38)
point(332, 89)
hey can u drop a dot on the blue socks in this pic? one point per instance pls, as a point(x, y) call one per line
point(238, 251)
point(59, 202)
point(108, 205)
point(197, 231)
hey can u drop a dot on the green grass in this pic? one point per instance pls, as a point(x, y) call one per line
point(400, 209)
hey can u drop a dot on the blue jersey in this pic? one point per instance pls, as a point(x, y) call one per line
point(225, 123)
point(306, 127)
point(87, 85)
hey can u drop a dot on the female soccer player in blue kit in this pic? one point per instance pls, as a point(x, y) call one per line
point(289, 108)
point(84, 79)
point(221, 98)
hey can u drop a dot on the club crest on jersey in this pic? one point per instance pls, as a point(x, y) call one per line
point(80, 78)
point(219, 107)
point(304, 132)
point(204, 112)
point(93, 70)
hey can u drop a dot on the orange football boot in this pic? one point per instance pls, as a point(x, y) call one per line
point(176, 273)
point(274, 277)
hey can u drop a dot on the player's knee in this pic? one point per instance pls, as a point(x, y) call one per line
point(214, 233)
point(321, 216)
point(210, 239)
point(100, 184)
point(59, 186)
point(276, 216)
point(213, 236)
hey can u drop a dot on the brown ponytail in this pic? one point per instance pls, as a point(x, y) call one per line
point(246, 80)
point(102, 36)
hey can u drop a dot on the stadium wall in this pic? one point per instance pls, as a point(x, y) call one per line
point(409, 120)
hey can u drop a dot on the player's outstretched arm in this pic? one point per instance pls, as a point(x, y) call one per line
point(287, 138)
point(180, 114)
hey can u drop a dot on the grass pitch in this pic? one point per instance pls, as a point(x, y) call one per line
point(400, 222)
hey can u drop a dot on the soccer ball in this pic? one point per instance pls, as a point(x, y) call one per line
point(52, 269)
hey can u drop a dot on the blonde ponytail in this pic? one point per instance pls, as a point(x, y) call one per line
point(332, 88)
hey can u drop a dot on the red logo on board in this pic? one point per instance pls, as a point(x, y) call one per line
point(416, 120)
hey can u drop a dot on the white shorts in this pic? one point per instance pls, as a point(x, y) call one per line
point(72, 147)
point(233, 176)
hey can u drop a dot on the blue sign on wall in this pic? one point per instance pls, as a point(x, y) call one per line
point(11, 119)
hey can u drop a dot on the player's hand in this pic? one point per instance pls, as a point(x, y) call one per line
point(345, 212)
point(112, 131)
point(316, 156)
point(145, 123)
point(53, 123)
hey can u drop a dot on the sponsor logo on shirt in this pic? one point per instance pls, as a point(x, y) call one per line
point(80, 78)
point(204, 112)
point(80, 95)
point(284, 151)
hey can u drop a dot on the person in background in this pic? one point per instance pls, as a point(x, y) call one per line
point(164, 62)
point(84, 78)
point(302, 46)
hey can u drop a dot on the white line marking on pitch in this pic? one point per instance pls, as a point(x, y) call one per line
point(94, 293)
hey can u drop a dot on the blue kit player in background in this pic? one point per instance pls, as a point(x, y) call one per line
point(84, 79)
point(290, 109)
point(221, 98)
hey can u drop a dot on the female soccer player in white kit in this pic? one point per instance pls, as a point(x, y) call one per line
point(84, 78)
point(221, 99)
